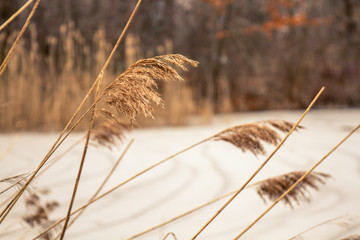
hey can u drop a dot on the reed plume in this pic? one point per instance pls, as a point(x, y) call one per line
point(109, 133)
point(255, 185)
point(134, 91)
point(273, 188)
point(250, 137)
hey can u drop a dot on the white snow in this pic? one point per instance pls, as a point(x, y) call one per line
point(192, 178)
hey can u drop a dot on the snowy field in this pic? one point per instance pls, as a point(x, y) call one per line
point(190, 179)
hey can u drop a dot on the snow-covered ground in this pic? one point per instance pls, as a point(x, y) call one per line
point(192, 178)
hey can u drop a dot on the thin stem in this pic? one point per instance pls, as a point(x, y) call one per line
point(17, 196)
point(90, 127)
point(48, 165)
point(318, 225)
point(190, 211)
point(262, 165)
point(102, 184)
point(170, 234)
point(8, 208)
point(100, 77)
point(8, 56)
point(15, 14)
point(130, 179)
point(9, 147)
point(51, 162)
point(297, 182)
point(76, 185)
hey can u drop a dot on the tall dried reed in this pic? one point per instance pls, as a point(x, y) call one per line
point(133, 93)
point(268, 190)
point(262, 165)
point(293, 186)
point(249, 134)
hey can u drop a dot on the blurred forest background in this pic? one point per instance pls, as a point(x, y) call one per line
point(253, 54)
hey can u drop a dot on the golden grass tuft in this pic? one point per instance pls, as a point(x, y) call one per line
point(250, 137)
point(134, 91)
point(274, 187)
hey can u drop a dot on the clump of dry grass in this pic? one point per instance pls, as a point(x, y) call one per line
point(273, 188)
point(250, 137)
point(259, 184)
point(134, 91)
point(299, 181)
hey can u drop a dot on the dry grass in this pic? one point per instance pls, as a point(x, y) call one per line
point(134, 93)
point(33, 86)
point(249, 137)
point(38, 213)
point(285, 179)
point(273, 188)
point(346, 221)
point(108, 134)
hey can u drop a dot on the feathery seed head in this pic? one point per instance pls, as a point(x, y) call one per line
point(109, 133)
point(250, 137)
point(133, 91)
point(273, 188)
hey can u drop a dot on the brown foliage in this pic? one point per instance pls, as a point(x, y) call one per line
point(249, 137)
point(109, 133)
point(39, 213)
point(273, 188)
point(279, 19)
point(133, 92)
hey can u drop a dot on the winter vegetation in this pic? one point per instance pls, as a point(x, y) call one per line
point(254, 55)
point(242, 56)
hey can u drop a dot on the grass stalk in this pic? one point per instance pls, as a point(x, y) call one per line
point(170, 234)
point(100, 77)
point(280, 180)
point(15, 15)
point(190, 212)
point(27, 22)
point(101, 186)
point(97, 96)
point(77, 180)
point(130, 179)
point(261, 166)
point(297, 182)
point(11, 204)
point(9, 147)
point(57, 143)
point(333, 220)
point(48, 165)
